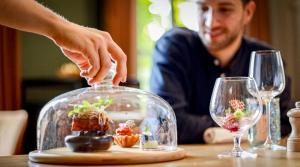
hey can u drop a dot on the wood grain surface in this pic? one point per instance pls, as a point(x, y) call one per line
point(197, 155)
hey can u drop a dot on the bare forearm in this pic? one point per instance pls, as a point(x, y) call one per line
point(90, 49)
point(30, 16)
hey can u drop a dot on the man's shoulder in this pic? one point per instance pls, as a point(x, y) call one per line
point(254, 44)
point(179, 33)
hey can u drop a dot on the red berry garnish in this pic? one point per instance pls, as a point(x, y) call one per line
point(231, 123)
point(124, 131)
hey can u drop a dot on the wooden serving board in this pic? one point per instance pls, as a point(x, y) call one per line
point(115, 155)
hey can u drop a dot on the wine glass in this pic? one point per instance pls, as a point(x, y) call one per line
point(235, 106)
point(266, 68)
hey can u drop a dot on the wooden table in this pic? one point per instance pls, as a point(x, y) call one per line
point(197, 155)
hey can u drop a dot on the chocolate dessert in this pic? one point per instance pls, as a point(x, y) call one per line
point(90, 123)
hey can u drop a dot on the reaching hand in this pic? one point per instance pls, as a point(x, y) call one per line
point(91, 50)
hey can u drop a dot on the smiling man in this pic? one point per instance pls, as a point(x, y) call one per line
point(186, 64)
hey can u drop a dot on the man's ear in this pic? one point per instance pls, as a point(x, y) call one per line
point(249, 11)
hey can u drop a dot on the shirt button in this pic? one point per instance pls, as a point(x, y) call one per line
point(222, 75)
point(216, 62)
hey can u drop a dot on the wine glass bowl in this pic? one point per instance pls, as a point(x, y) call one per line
point(266, 68)
point(235, 106)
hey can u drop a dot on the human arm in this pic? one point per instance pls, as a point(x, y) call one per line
point(170, 79)
point(90, 49)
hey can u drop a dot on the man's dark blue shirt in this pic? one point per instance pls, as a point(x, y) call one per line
point(184, 73)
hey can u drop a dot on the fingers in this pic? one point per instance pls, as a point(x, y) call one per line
point(92, 50)
point(105, 65)
point(80, 60)
point(94, 62)
point(119, 56)
point(93, 68)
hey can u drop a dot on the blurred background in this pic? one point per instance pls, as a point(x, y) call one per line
point(33, 69)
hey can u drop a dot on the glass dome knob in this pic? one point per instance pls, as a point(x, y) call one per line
point(109, 76)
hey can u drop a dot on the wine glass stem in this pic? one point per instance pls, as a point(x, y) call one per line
point(237, 150)
point(268, 141)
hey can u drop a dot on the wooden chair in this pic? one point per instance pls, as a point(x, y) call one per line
point(12, 128)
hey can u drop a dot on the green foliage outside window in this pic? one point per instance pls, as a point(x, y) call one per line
point(145, 44)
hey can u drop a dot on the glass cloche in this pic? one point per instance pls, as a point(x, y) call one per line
point(94, 118)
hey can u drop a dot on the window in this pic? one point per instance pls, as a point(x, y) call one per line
point(154, 18)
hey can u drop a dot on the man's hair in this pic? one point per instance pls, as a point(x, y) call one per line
point(245, 2)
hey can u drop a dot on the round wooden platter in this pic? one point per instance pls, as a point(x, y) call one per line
point(115, 155)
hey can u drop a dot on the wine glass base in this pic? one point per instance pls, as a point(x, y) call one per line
point(240, 154)
point(272, 147)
